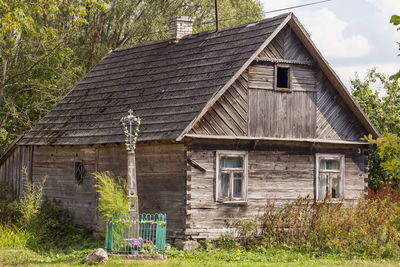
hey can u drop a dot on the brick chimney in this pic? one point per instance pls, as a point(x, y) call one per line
point(179, 26)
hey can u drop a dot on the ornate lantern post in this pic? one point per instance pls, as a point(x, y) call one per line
point(131, 126)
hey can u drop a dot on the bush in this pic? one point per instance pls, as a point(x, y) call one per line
point(112, 195)
point(369, 229)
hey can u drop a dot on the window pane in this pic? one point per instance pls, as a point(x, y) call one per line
point(237, 185)
point(224, 185)
point(323, 186)
point(330, 164)
point(231, 162)
point(335, 186)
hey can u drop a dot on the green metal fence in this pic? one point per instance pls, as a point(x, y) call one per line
point(140, 234)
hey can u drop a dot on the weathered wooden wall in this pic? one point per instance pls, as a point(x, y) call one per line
point(229, 115)
point(11, 168)
point(277, 175)
point(161, 171)
point(252, 106)
point(57, 165)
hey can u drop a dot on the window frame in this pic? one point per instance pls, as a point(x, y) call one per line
point(218, 173)
point(79, 172)
point(341, 171)
point(290, 75)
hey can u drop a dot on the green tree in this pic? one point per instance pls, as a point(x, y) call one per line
point(382, 106)
point(37, 66)
point(395, 20)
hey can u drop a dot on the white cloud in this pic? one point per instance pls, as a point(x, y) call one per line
point(328, 32)
point(386, 7)
point(347, 73)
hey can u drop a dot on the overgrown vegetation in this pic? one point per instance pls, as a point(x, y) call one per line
point(112, 195)
point(370, 229)
point(36, 223)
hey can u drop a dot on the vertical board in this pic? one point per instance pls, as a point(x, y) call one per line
point(11, 168)
point(281, 114)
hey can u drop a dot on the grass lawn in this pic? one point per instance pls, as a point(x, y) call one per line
point(215, 257)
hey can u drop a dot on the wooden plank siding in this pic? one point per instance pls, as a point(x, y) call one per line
point(228, 116)
point(276, 175)
point(334, 118)
point(11, 169)
point(161, 171)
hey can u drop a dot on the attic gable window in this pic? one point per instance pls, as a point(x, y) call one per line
point(231, 176)
point(329, 176)
point(79, 171)
point(282, 77)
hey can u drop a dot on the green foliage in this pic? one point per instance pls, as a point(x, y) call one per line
point(30, 202)
point(369, 229)
point(395, 20)
point(388, 155)
point(112, 195)
point(382, 106)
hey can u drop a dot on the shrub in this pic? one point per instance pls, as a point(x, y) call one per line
point(29, 204)
point(371, 228)
point(112, 195)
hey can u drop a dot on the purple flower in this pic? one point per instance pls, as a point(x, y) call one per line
point(110, 223)
point(123, 221)
point(151, 222)
point(131, 222)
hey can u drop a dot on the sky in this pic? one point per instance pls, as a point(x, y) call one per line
point(353, 35)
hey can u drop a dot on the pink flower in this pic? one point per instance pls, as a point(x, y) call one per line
point(110, 223)
point(123, 221)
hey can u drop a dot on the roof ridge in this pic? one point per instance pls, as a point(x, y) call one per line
point(201, 33)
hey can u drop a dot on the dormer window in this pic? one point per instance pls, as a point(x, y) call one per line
point(282, 77)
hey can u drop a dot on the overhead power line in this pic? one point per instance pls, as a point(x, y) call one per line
point(298, 6)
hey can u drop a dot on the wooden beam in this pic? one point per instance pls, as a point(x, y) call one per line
point(285, 61)
point(296, 140)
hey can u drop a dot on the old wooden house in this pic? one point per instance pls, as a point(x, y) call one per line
point(230, 119)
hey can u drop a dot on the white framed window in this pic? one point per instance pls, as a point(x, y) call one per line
point(231, 176)
point(329, 176)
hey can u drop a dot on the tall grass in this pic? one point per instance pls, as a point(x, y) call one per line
point(371, 228)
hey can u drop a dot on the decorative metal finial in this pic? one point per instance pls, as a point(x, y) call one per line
point(131, 134)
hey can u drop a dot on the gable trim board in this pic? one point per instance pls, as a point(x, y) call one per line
point(302, 34)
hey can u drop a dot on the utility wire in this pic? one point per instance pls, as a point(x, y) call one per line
point(293, 7)
point(243, 17)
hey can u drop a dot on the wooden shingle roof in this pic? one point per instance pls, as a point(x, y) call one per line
point(167, 85)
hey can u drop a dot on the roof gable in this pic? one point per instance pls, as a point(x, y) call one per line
point(292, 44)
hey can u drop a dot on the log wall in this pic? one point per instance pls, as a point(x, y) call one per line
point(160, 176)
point(11, 166)
point(273, 175)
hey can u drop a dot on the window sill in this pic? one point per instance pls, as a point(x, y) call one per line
point(240, 202)
point(283, 90)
